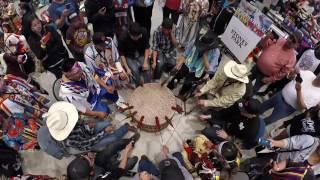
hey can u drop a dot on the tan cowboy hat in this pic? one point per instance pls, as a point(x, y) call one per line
point(61, 119)
point(236, 71)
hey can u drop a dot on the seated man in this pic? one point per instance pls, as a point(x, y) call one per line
point(239, 122)
point(20, 97)
point(64, 126)
point(170, 167)
point(199, 59)
point(163, 46)
point(103, 163)
point(227, 86)
point(85, 89)
point(134, 53)
point(59, 12)
point(103, 55)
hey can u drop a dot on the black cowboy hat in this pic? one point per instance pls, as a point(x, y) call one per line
point(207, 41)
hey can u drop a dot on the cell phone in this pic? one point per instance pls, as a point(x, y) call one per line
point(68, 6)
point(298, 78)
point(264, 142)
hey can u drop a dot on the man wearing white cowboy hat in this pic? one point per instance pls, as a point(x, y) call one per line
point(62, 122)
point(227, 86)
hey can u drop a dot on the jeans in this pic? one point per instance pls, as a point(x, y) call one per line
point(111, 137)
point(103, 158)
point(174, 14)
point(281, 108)
point(165, 63)
point(102, 106)
point(147, 165)
point(136, 68)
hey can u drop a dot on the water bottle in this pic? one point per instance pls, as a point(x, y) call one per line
point(264, 142)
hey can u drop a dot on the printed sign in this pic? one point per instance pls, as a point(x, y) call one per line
point(245, 30)
point(239, 39)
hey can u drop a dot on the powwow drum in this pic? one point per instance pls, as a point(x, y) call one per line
point(152, 104)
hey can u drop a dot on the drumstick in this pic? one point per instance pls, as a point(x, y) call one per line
point(174, 129)
point(159, 129)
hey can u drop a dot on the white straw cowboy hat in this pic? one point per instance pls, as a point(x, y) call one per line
point(236, 71)
point(61, 119)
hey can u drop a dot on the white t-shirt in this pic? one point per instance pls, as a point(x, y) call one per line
point(310, 93)
point(308, 61)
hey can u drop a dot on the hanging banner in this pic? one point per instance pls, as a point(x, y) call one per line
point(246, 28)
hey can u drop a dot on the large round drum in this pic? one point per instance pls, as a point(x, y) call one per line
point(152, 101)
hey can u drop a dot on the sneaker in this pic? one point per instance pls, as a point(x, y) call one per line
point(135, 137)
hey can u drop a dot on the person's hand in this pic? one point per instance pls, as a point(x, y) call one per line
point(101, 115)
point(109, 129)
point(298, 86)
point(222, 133)
point(185, 144)
point(266, 80)
point(145, 66)
point(154, 65)
point(129, 73)
point(279, 166)
point(200, 102)
point(65, 13)
point(102, 11)
point(165, 150)
point(198, 94)
point(128, 148)
point(144, 175)
point(20, 59)
point(110, 89)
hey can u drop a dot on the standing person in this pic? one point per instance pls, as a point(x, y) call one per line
point(164, 45)
point(101, 14)
point(310, 60)
point(189, 25)
point(296, 95)
point(172, 8)
point(59, 12)
point(134, 53)
point(85, 89)
point(78, 36)
point(26, 13)
point(143, 13)
point(275, 62)
point(46, 44)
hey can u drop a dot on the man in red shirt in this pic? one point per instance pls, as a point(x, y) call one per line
point(276, 61)
point(171, 7)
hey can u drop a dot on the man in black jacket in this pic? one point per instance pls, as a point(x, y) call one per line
point(101, 14)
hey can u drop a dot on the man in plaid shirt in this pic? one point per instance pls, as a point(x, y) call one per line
point(94, 136)
point(164, 45)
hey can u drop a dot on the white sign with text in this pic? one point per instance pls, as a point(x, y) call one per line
point(239, 39)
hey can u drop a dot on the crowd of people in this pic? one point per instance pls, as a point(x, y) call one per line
point(106, 46)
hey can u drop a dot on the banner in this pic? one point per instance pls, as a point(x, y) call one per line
point(246, 28)
point(239, 39)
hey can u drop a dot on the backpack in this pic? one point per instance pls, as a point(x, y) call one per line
point(10, 161)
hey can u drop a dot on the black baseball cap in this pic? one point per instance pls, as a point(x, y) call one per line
point(78, 169)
